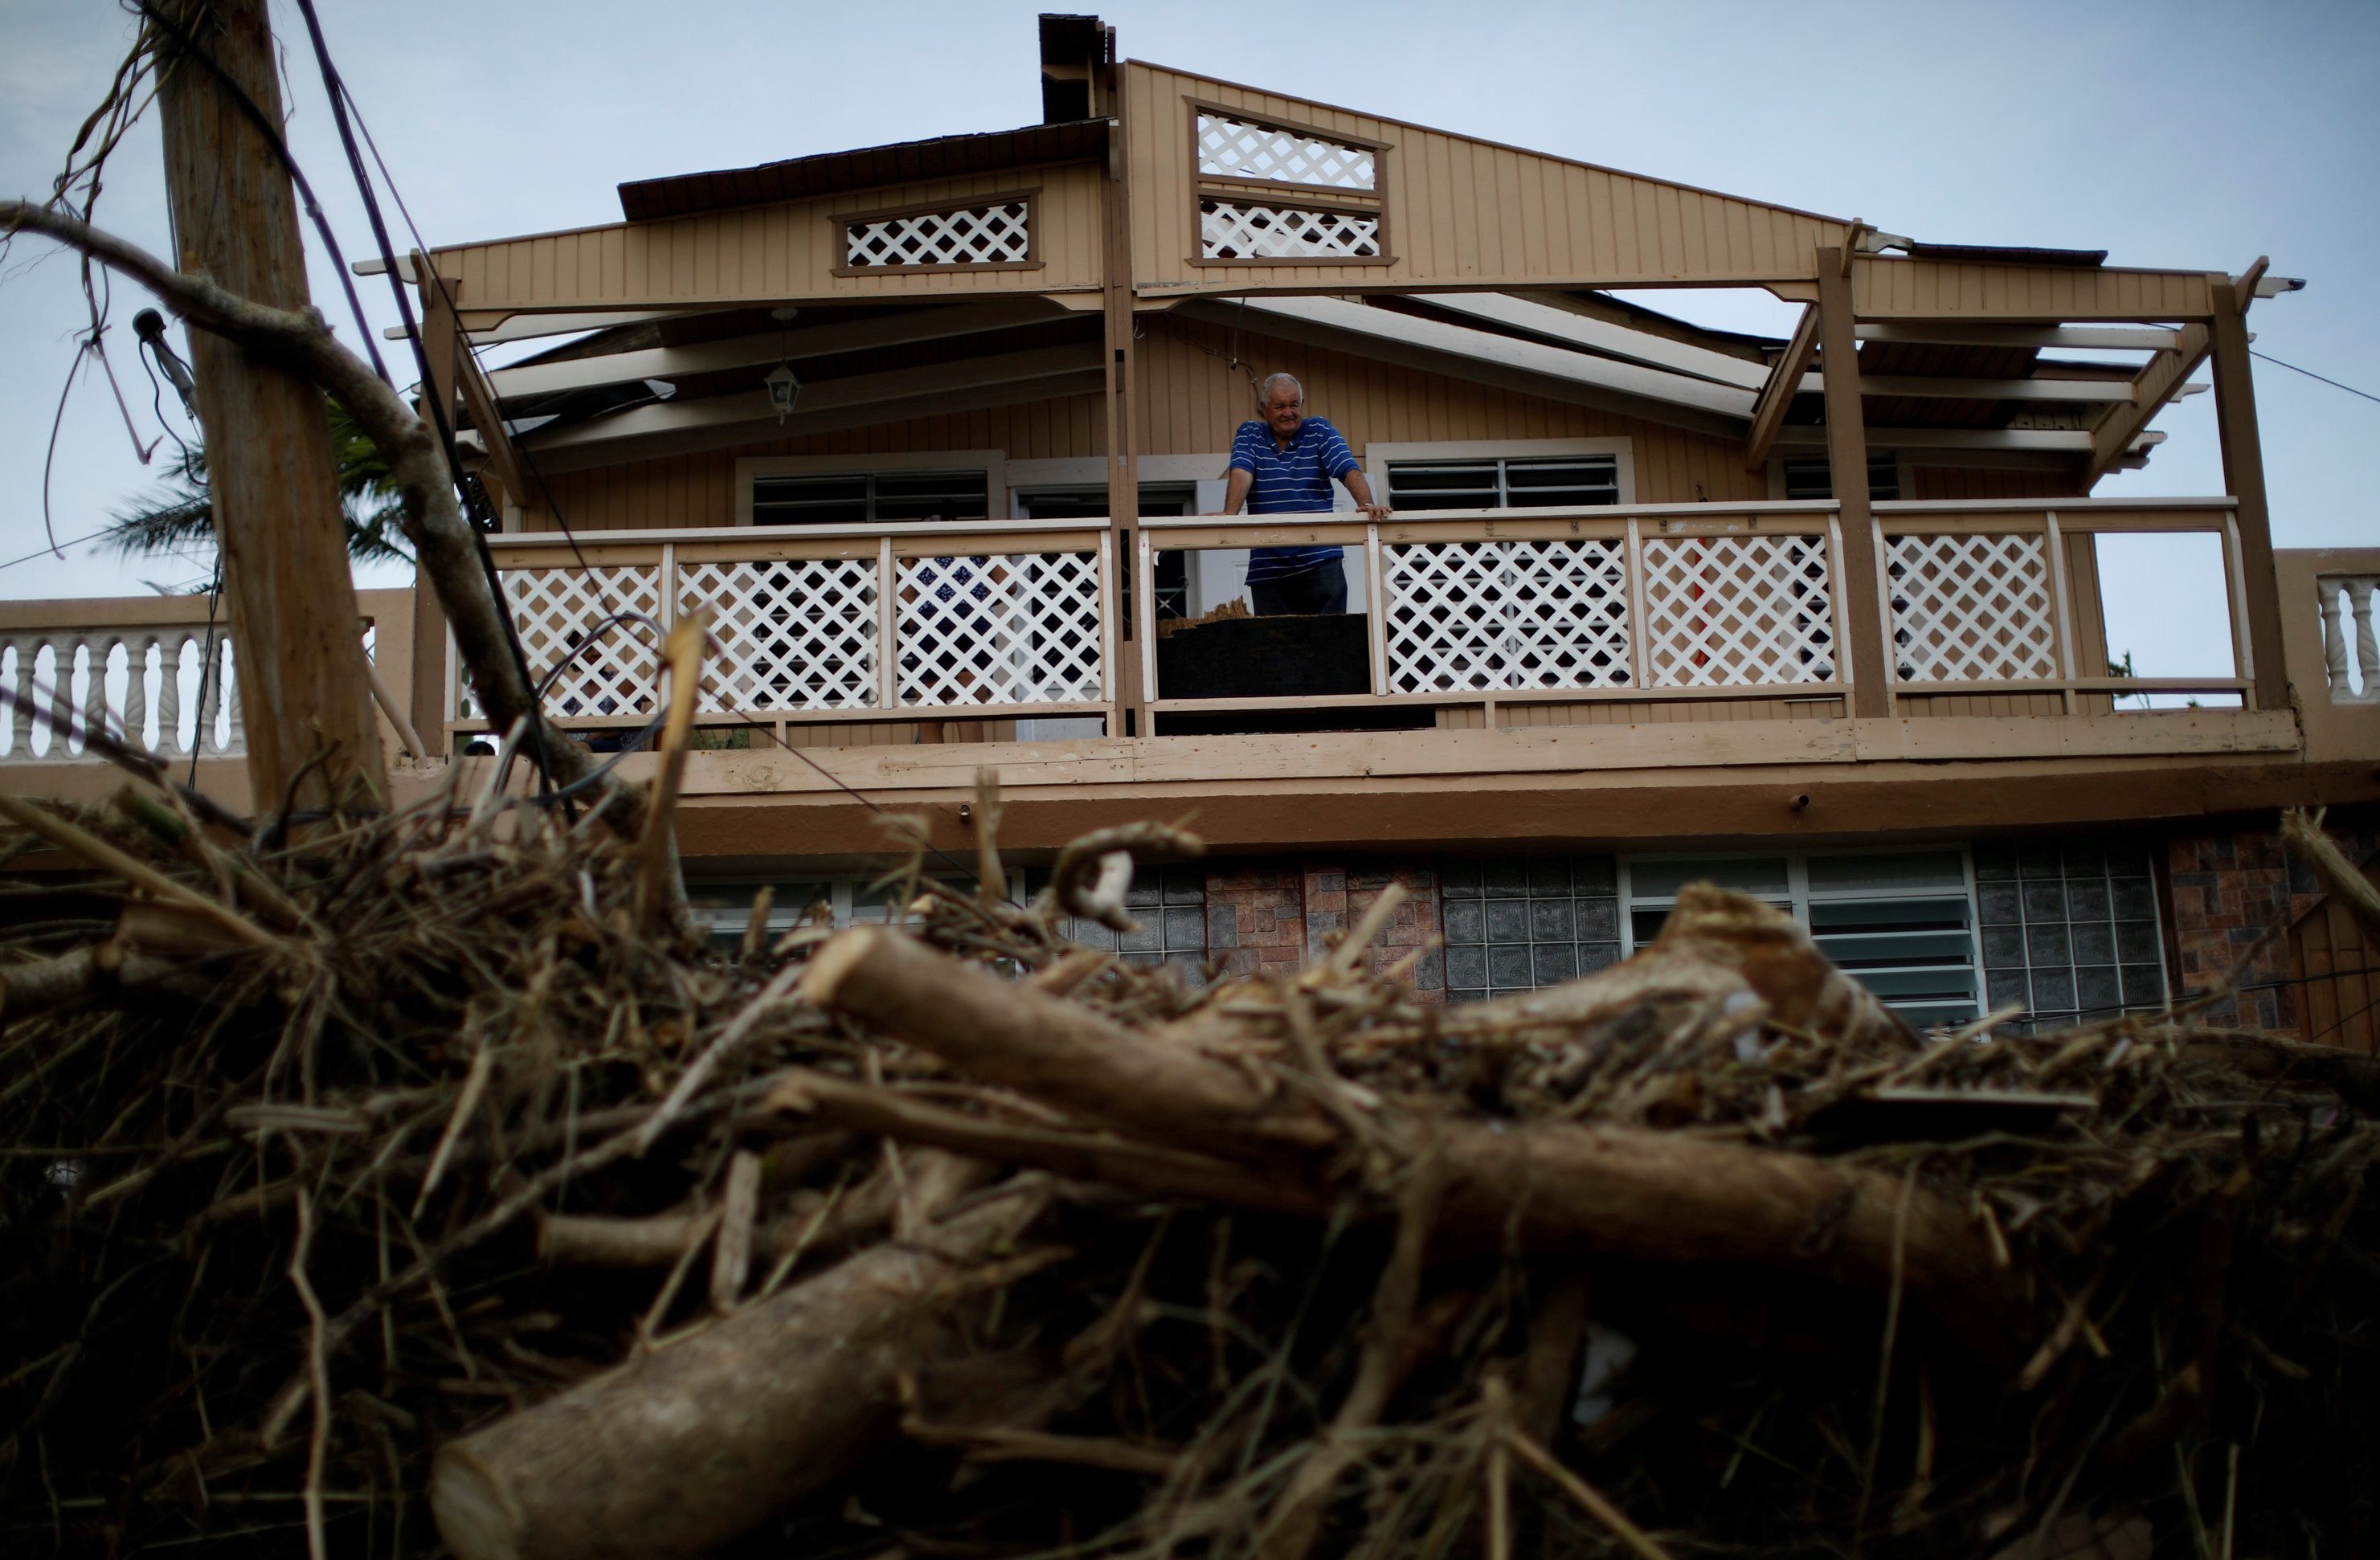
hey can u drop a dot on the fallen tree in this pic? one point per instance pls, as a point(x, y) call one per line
point(498, 1219)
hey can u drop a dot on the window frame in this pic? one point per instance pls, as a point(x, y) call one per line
point(992, 463)
point(1900, 469)
point(1621, 449)
point(1281, 194)
point(1029, 198)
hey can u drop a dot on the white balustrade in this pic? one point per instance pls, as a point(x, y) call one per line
point(2349, 655)
point(68, 683)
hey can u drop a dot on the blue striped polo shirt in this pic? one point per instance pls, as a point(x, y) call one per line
point(1292, 481)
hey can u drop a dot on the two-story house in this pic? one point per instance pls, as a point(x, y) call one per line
point(936, 433)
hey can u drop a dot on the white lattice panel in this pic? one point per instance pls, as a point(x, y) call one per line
point(554, 609)
point(974, 235)
point(1724, 611)
point(795, 635)
point(1240, 149)
point(1228, 230)
point(1021, 629)
point(1971, 608)
point(1506, 614)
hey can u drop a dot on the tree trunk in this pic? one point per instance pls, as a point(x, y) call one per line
point(294, 629)
point(682, 1449)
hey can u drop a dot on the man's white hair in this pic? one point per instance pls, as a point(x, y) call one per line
point(1264, 388)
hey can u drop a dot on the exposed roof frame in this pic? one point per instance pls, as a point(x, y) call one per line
point(640, 432)
point(1483, 358)
point(932, 323)
point(2104, 338)
point(2062, 441)
point(1525, 312)
point(2157, 383)
point(1786, 377)
point(2095, 392)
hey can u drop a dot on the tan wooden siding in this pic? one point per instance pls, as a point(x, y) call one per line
point(764, 254)
point(1896, 288)
point(1948, 482)
point(1459, 211)
point(700, 490)
point(1192, 399)
point(1922, 705)
point(2340, 998)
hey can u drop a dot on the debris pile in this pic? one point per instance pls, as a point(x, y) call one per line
point(417, 1181)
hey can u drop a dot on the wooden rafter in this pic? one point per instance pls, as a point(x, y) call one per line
point(1949, 333)
point(853, 335)
point(1777, 396)
point(2157, 385)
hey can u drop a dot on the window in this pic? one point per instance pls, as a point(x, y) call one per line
point(1901, 923)
point(1560, 482)
point(1811, 477)
point(860, 498)
point(722, 907)
point(2070, 931)
point(1269, 191)
point(991, 233)
point(1171, 904)
point(1513, 924)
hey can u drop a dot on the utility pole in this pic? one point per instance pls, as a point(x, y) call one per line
point(294, 629)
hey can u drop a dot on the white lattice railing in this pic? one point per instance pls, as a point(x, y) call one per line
point(999, 233)
point(819, 623)
point(2350, 657)
point(1980, 598)
point(1686, 601)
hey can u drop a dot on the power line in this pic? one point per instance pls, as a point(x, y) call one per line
point(2312, 375)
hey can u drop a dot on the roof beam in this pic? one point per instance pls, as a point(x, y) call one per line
point(1543, 315)
point(2017, 293)
point(2061, 441)
point(2102, 338)
point(2158, 383)
point(752, 351)
point(2091, 391)
point(496, 440)
point(1786, 377)
point(1480, 357)
point(723, 419)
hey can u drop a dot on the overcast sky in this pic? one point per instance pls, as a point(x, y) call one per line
point(2190, 136)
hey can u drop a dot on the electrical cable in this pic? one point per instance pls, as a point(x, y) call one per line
point(2312, 375)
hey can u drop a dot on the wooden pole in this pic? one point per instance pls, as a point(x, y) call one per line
point(2243, 474)
point(290, 597)
point(1865, 657)
point(1123, 406)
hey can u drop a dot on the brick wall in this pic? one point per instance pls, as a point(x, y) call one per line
point(2229, 887)
point(1277, 916)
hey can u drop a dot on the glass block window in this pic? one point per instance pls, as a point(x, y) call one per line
point(1517, 923)
point(1171, 904)
point(1902, 922)
point(1556, 482)
point(2070, 931)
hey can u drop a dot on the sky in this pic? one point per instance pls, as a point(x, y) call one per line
point(2178, 135)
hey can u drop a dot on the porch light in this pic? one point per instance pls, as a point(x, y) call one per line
point(783, 390)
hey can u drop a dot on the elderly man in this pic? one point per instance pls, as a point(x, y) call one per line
point(1284, 464)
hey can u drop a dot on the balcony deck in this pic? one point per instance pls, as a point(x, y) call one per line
point(1649, 672)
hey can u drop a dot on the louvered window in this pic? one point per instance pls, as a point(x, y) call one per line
point(859, 498)
point(1812, 476)
point(1560, 482)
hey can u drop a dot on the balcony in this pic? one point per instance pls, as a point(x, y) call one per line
point(1683, 613)
point(1649, 673)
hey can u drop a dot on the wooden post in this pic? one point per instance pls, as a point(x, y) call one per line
point(2243, 474)
point(291, 599)
point(1122, 408)
point(1847, 463)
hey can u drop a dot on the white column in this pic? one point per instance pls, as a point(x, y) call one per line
point(20, 713)
point(2367, 653)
